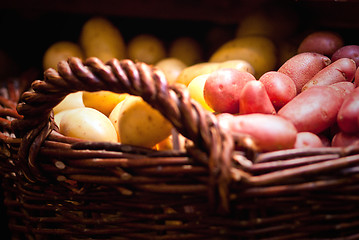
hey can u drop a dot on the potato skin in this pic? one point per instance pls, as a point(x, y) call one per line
point(347, 118)
point(192, 71)
point(254, 99)
point(313, 110)
point(269, 132)
point(343, 88)
point(303, 66)
point(141, 125)
point(88, 124)
point(280, 88)
point(259, 51)
point(348, 51)
point(339, 71)
point(308, 140)
point(356, 78)
point(342, 139)
point(223, 87)
point(323, 42)
point(100, 38)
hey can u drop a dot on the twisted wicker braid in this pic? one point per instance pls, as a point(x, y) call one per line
point(125, 76)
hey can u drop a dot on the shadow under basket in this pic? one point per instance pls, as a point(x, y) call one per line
point(57, 187)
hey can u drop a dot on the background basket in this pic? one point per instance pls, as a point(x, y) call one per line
point(56, 187)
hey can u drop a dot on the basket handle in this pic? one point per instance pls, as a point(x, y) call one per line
point(214, 145)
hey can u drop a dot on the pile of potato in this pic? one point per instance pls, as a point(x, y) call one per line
point(282, 93)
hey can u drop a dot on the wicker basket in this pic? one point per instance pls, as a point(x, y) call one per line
point(56, 187)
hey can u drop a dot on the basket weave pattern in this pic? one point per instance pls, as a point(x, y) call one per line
point(58, 187)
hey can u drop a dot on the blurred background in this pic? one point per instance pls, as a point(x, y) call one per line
point(28, 28)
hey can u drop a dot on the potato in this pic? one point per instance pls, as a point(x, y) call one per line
point(272, 21)
point(168, 143)
point(347, 118)
point(104, 101)
point(146, 48)
point(88, 124)
point(356, 78)
point(280, 88)
point(269, 132)
point(322, 42)
point(71, 101)
point(100, 38)
point(58, 116)
point(190, 72)
point(195, 89)
point(339, 71)
point(348, 51)
point(343, 88)
point(187, 49)
point(114, 118)
point(171, 67)
point(223, 87)
point(254, 99)
point(259, 51)
point(240, 65)
point(313, 110)
point(307, 140)
point(59, 51)
point(141, 125)
point(342, 139)
point(303, 66)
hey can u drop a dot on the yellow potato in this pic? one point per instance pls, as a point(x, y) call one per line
point(141, 125)
point(88, 124)
point(114, 117)
point(187, 49)
point(190, 72)
point(240, 65)
point(59, 51)
point(195, 89)
point(71, 101)
point(274, 22)
point(168, 143)
point(259, 51)
point(104, 101)
point(58, 116)
point(146, 48)
point(100, 38)
point(171, 67)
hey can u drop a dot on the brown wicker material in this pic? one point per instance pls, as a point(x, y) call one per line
point(58, 187)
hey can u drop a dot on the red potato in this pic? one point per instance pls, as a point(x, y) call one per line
point(342, 70)
point(308, 140)
point(342, 139)
point(254, 99)
point(348, 51)
point(223, 88)
point(269, 132)
point(313, 110)
point(323, 42)
point(347, 118)
point(356, 78)
point(343, 88)
point(280, 88)
point(303, 66)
